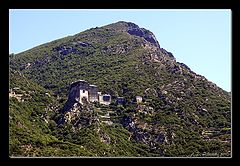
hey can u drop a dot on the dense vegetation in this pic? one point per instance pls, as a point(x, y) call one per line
point(182, 113)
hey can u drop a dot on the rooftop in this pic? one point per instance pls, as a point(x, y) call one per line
point(78, 81)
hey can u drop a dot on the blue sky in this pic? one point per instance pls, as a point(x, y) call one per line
point(199, 38)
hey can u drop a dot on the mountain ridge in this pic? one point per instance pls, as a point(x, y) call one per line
point(182, 113)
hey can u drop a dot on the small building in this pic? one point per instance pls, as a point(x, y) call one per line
point(81, 90)
point(105, 99)
point(138, 99)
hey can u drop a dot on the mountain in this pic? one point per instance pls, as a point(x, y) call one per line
point(182, 113)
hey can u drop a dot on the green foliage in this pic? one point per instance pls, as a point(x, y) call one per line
point(119, 65)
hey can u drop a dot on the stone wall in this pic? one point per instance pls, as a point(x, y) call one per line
point(83, 94)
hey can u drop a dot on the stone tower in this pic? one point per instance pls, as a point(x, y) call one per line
point(93, 93)
point(79, 90)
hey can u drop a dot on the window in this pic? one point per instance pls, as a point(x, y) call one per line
point(106, 98)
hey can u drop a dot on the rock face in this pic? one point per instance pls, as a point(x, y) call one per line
point(142, 32)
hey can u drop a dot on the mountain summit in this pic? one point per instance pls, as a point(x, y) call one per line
point(113, 91)
point(134, 29)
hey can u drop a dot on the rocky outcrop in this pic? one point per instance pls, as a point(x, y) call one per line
point(134, 29)
point(165, 52)
point(124, 48)
point(78, 116)
point(147, 35)
point(73, 48)
point(184, 66)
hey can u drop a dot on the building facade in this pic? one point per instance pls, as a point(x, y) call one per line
point(105, 99)
point(81, 90)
